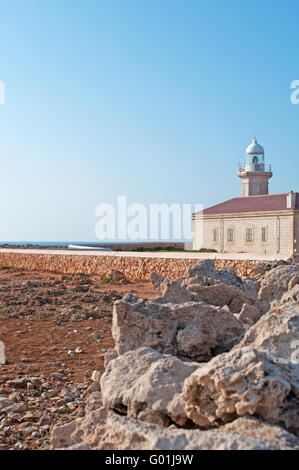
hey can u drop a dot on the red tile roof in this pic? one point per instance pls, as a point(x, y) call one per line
point(269, 202)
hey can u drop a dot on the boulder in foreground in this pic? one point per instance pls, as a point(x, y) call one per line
point(244, 381)
point(191, 330)
point(147, 386)
point(104, 430)
point(276, 332)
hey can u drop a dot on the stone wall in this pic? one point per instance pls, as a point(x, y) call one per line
point(134, 268)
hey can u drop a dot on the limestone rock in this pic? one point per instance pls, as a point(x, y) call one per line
point(79, 446)
point(205, 273)
point(104, 430)
point(250, 291)
point(117, 276)
point(263, 267)
point(94, 387)
point(192, 330)
point(128, 434)
point(294, 282)
point(108, 356)
point(275, 283)
point(220, 294)
point(292, 295)
point(202, 270)
point(147, 386)
point(253, 428)
point(156, 280)
point(249, 312)
point(96, 376)
point(62, 436)
point(244, 381)
point(93, 402)
point(174, 292)
point(276, 331)
point(221, 287)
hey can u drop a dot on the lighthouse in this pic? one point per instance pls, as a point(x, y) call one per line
point(255, 174)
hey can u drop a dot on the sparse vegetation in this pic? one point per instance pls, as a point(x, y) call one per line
point(203, 250)
point(76, 317)
point(157, 248)
point(173, 249)
point(45, 315)
point(4, 314)
point(105, 280)
point(59, 317)
point(76, 307)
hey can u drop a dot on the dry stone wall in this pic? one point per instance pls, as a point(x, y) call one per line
point(134, 268)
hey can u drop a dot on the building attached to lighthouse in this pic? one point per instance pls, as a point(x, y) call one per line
point(256, 222)
point(254, 173)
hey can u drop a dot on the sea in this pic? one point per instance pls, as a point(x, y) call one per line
point(91, 243)
point(54, 243)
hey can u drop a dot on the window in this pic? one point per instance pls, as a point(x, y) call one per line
point(230, 234)
point(249, 234)
point(264, 234)
point(215, 237)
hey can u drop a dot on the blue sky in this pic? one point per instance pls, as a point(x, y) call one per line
point(155, 100)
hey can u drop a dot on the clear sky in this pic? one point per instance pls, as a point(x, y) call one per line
point(155, 100)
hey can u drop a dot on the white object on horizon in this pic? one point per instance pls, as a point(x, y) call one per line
point(88, 248)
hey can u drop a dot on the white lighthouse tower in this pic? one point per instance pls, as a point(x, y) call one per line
point(255, 174)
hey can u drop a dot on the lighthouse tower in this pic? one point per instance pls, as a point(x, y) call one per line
point(255, 174)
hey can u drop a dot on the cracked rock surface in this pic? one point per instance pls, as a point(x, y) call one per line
point(146, 385)
point(244, 381)
point(211, 363)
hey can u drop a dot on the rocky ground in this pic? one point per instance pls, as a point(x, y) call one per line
point(211, 363)
point(56, 330)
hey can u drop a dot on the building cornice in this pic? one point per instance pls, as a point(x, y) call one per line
point(245, 215)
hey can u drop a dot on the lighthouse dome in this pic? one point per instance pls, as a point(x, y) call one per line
point(254, 148)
